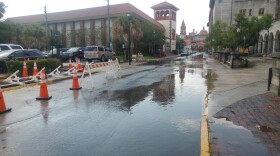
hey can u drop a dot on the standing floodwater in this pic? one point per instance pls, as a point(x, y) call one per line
point(152, 110)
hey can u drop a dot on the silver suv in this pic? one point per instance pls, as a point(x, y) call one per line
point(9, 47)
point(97, 53)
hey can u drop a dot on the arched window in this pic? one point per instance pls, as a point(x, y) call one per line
point(166, 13)
point(157, 13)
point(162, 13)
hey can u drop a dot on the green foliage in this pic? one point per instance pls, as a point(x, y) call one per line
point(180, 43)
point(144, 35)
point(244, 33)
point(2, 9)
point(49, 64)
point(31, 36)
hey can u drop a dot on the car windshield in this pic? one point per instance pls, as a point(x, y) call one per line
point(91, 49)
point(72, 49)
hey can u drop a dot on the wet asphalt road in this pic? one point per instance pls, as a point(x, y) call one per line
point(152, 110)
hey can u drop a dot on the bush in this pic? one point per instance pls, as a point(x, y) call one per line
point(3, 67)
point(49, 64)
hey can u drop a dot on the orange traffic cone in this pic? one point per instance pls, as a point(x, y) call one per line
point(44, 95)
point(35, 70)
point(2, 104)
point(75, 83)
point(70, 64)
point(24, 70)
point(79, 67)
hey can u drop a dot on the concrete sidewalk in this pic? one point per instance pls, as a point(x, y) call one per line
point(243, 116)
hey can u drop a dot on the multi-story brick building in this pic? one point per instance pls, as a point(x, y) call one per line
point(225, 10)
point(90, 26)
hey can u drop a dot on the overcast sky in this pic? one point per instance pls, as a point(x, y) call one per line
point(194, 12)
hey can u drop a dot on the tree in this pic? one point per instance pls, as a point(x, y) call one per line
point(2, 9)
point(244, 33)
point(180, 43)
point(125, 27)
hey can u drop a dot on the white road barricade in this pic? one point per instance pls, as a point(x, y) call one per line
point(38, 75)
point(14, 79)
point(118, 68)
point(55, 73)
point(69, 72)
point(87, 70)
point(110, 69)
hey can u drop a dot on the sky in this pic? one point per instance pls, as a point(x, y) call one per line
point(193, 12)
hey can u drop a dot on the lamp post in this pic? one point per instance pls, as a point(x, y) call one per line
point(109, 29)
point(129, 36)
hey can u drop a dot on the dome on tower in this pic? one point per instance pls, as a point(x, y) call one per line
point(203, 32)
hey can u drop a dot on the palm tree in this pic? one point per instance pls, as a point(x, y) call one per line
point(125, 25)
point(2, 9)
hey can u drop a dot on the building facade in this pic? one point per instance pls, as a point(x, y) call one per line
point(225, 10)
point(90, 26)
point(194, 41)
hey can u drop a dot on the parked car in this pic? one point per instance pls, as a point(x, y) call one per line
point(54, 52)
point(97, 53)
point(21, 54)
point(73, 53)
point(9, 47)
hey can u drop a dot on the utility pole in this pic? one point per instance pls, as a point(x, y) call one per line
point(109, 29)
point(47, 24)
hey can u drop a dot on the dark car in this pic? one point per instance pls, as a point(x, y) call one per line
point(74, 52)
point(21, 54)
point(53, 53)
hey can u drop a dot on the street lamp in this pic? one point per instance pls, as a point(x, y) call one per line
point(109, 29)
point(129, 36)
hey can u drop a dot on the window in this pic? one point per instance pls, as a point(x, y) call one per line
point(261, 11)
point(243, 11)
point(250, 12)
point(2, 47)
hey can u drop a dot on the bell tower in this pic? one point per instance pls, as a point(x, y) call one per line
point(165, 13)
point(183, 30)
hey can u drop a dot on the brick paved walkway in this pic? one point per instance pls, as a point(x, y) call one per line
point(260, 115)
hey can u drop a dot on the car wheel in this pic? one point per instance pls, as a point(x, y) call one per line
point(102, 58)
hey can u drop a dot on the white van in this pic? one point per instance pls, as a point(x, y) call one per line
point(97, 53)
point(9, 46)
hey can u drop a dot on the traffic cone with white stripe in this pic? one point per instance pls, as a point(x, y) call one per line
point(79, 67)
point(24, 70)
point(75, 83)
point(44, 95)
point(2, 104)
point(70, 64)
point(35, 69)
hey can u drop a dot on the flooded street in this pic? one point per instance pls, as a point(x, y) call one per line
point(154, 109)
